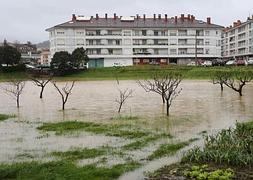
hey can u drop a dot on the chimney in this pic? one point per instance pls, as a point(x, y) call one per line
point(144, 17)
point(238, 22)
point(159, 16)
point(208, 20)
point(234, 24)
point(106, 16)
point(189, 17)
point(192, 18)
point(166, 17)
point(182, 17)
point(137, 16)
point(154, 16)
point(115, 16)
point(175, 19)
point(97, 17)
point(73, 17)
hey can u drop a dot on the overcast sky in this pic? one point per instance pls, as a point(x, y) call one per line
point(25, 20)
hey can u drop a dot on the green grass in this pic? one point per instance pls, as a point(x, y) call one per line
point(63, 170)
point(76, 154)
point(168, 149)
point(12, 75)
point(125, 118)
point(5, 117)
point(140, 143)
point(106, 129)
point(228, 147)
point(136, 72)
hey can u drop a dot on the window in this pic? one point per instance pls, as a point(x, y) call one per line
point(98, 32)
point(127, 33)
point(144, 32)
point(207, 51)
point(173, 51)
point(156, 33)
point(110, 51)
point(117, 42)
point(79, 32)
point(60, 32)
point(207, 33)
point(207, 42)
point(98, 51)
point(109, 32)
point(173, 33)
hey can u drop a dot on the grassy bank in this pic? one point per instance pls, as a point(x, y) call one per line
point(4, 117)
point(135, 72)
point(63, 170)
point(226, 155)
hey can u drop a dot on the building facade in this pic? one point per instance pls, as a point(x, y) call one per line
point(125, 41)
point(44, 57)
point(237, 40)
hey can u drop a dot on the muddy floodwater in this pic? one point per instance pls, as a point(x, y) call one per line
point(200, 107)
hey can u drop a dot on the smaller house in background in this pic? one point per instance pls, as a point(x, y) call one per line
point(44, 57)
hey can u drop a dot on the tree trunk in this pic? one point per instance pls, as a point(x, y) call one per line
point(221, 87)
point(168, 107)
point(120, 106)
point(240, 91)
point(63, 106)
point(163, 99)
point(17, 101)
point(41, 92)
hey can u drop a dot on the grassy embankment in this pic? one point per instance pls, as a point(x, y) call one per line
point(65, 163)
point(4, 117)
point(135, 72)
point(226, 155)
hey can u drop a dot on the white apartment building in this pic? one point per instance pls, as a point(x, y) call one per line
point(126, 41)
point(237, 40)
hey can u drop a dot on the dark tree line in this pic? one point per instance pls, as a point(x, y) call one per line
point(64, 62)
point(9, 55)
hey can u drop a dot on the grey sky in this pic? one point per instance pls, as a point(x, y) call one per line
point(24, 20)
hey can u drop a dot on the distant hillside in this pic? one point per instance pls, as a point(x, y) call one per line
point(44, 44)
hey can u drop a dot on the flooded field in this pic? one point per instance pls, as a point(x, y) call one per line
point(200, 107)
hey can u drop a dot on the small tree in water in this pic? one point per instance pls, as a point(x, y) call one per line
point(14, 88)
point(64, 92)
point(41, 82)
point(123, 96)
point(165, 85)
point(220, 78)
point(234, 80)
point(238, 80)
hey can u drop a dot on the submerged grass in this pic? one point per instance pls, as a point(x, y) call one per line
point(140, 143)
point(5, 117)
point(106, 129)
point(76, 154)
point(169, 149)
point(63, 170)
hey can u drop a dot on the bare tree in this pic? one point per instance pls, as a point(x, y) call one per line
point(14, 88)
point(123, 96)
point(220, 78)
point(238, 81)
point(165, 85)
point(41, 82)
point(64, 92)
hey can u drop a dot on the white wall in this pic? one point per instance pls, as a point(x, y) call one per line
point(109, 62)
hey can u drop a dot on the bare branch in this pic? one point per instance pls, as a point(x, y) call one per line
point(64, 92)
point(14, 88)
point(165, 85)
point(123, 96)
